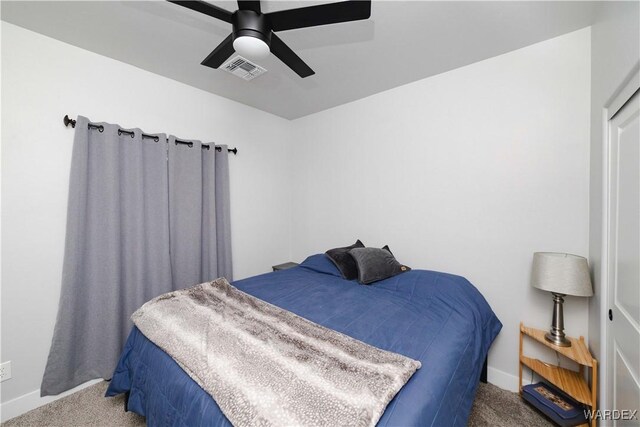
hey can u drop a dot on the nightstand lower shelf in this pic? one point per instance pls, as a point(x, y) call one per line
point(571, 382)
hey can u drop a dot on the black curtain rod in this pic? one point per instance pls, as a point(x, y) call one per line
point(67, 121)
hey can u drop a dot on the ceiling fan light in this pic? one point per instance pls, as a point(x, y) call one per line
point(251, 47)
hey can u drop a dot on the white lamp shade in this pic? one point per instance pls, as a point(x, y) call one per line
point(561, 273)
point(251, 47)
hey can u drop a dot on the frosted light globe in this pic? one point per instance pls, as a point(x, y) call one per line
point(251, 47)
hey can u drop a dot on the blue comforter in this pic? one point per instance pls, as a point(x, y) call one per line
point(437, 318)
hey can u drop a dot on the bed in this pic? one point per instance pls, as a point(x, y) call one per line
point(437, 318)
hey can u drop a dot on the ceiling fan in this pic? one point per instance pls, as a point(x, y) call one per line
point(254, 35)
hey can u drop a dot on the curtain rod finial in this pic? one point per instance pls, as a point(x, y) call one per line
point(67, 121)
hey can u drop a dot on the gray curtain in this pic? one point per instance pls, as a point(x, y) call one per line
point(199, 213)
point(144, 218)
point(222, 211)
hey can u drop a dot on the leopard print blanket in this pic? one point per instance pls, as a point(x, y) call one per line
point(266, 366)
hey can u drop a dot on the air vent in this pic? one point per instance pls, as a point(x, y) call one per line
point(243, 68)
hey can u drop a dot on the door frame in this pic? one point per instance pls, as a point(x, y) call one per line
point(617, 100)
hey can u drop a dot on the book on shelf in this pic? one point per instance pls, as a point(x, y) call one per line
point(555, 404)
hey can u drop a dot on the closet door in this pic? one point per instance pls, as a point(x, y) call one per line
point(623, 386)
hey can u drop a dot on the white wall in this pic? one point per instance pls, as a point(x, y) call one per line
point(467, 172)
point(615, 53)
point(44, 79)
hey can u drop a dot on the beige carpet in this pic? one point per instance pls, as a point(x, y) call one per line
point(500, 408)
point(493, 407)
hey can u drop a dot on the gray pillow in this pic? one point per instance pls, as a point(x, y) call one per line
point(376, 264)
point(343, 261)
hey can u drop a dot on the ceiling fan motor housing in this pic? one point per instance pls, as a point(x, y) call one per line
point(247, 23)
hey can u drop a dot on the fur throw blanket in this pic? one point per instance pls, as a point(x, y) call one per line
point(267, 366)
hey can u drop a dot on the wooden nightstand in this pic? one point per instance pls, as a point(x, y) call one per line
point(285, 266)
point(571, 382)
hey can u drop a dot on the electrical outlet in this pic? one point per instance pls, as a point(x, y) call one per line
point(5, 371)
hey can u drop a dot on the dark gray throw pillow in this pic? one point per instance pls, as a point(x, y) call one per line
point(343, 261)
point(376, 264)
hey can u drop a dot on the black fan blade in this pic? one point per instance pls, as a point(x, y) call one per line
point(220, 54)
point(206, 8)
point(249, 5)
point(289, 57)
point(321, 14)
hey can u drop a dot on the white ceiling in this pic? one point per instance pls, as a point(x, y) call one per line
point(401, 43)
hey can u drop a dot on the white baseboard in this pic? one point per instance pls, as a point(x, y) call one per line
point(502, 379)
point(25, 403)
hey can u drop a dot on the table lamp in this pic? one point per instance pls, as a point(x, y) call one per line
point(561, 274)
